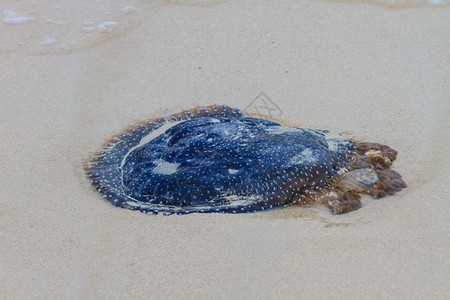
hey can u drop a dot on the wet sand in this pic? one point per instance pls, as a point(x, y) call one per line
point(375, 72)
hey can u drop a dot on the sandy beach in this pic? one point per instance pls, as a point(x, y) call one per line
point(74, 74)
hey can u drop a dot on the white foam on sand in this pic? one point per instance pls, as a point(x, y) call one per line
point(437, 2)
point(14, 18)
point(128, 9)
point(88, 29)
point(106, 26)
point(47, 42)
point(70, 21)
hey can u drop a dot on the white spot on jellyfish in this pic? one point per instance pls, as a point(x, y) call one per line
point(233, 171)
point(306, 156)
point(333, 144)
point(282, 129)
point(165, 168)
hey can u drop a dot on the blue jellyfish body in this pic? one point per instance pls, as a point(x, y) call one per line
point(215, 160)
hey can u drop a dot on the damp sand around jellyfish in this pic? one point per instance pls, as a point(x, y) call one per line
point(215, 159)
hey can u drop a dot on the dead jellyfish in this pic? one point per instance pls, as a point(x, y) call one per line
point(215, 159)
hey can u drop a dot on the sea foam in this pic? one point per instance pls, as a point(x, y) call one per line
point(14, 18)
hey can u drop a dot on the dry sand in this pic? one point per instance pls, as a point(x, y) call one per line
point(377, 72)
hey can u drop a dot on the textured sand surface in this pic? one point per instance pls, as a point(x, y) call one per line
point(376, 72)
